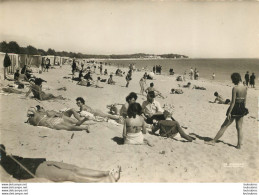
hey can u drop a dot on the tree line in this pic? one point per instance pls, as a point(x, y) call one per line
point(13, 47)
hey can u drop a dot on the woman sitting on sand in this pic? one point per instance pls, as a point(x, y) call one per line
point(131, 98)
point(38, 118)
point(28, 168)
point(236, 110)
point(134, 126)
point(36, 89)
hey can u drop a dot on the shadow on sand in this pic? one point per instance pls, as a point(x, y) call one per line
point(209, 139)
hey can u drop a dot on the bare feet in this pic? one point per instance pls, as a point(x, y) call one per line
point(115, 173)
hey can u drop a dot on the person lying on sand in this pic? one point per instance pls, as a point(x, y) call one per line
point(36, 89)
point(85, 82)
point(38, 118)
point(198, 87)
point(219, 99)
point(176, 91)
point(28, 168)
point(134, 126)
point(188, 85)
point(81, 104)
point(170, 128)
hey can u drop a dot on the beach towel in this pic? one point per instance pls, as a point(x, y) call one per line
point(134, 138)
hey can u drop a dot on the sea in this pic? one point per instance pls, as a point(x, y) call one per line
point(223, 68)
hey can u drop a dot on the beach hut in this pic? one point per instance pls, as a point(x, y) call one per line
point(64, 60)
point(51, 58)
point(29, 60)
point(14, 65)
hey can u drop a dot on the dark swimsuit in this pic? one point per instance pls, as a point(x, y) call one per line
point(12, 168)
point(239, 109)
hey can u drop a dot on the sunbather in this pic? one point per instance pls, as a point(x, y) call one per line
point(28, 168)
point(36, 89)
point(81, 104)
point(38, 118)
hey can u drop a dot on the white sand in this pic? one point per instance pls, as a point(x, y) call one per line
point(168, 161)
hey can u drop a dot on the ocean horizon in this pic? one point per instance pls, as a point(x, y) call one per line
point(222, 67)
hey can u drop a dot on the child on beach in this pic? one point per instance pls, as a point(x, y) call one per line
point(236, 110)
point(134, 126)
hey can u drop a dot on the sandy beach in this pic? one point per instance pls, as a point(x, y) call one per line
point(169, 160)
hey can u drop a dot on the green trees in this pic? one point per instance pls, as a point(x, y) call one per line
point(13, 47)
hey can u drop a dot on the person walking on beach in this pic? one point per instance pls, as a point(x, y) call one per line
point(191, 74)
point(247, 78)
point(101, 69)
point(252, 80)
point(7, 63)
point(74, 66)
point(236, 111)
point(213, 76)
point(47, 64)
point(142, 83)
point(128, 77)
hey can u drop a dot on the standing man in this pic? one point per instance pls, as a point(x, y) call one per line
point(191, 74)
point(7, 63)
point(247, 78)
point(101, 69)
point(128, 77)
point(252, 80)
point(73, 66)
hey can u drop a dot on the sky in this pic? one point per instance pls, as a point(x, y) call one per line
point(196, 29)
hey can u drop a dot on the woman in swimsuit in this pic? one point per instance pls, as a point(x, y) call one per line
point(36, 89)
point(28, 168)
point(236, 110)
point(38, 118)
point(134, 126)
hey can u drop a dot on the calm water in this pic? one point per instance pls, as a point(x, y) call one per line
point(222, 68)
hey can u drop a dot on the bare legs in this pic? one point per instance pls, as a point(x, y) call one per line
point(239, 123)
point(224, 126)
point(73, 112)
point(58, 172)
